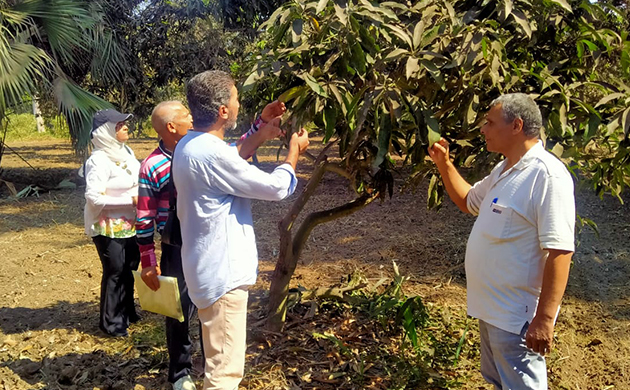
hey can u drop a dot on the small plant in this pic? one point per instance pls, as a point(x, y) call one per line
point(417, 346)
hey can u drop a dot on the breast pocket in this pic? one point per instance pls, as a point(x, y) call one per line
point(495, 222)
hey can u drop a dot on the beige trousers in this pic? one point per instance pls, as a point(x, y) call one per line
point(223, 327)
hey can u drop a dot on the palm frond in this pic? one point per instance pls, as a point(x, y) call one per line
point(78, 107)
point(21, 67)
point(63, 23)
point(109, 59)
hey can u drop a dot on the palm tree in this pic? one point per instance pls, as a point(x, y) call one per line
point(45, 46)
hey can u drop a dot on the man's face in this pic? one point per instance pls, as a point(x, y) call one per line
point(233, 107)
point(182, 122)
point(498, 132)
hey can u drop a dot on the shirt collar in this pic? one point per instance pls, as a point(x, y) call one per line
point(165, 151)
point(530, 156)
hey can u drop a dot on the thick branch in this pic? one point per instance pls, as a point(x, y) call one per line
point(330, 167)
point(299, 203)
point(319, 217)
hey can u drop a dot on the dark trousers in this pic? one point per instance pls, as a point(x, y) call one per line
point(178, 339)
point(119, 256)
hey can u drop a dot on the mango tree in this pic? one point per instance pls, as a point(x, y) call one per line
point(383, 80)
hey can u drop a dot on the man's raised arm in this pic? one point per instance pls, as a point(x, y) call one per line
point(456, 187)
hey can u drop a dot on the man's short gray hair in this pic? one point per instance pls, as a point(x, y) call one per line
point(520, 105)
point(206, 93)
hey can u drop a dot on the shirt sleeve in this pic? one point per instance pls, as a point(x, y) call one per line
point(97, 174)
point(477, 194)
point(254, 128)
point(233, 175)
point(147, 209)
point(554, 205)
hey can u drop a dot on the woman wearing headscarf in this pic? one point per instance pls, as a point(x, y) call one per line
point(111, 175)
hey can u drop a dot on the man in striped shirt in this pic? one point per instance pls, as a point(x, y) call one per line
point(171, 120)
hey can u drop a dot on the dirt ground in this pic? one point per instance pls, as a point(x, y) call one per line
point(50, 278)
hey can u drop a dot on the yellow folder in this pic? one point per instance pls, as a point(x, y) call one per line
point(165, 300)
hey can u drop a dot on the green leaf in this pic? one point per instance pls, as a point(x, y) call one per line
point(330, 120)
point(313, 84)
point(563, 117)
point(592, 127)
point(292, 93)
point(471, 115)
point(625, 121)
point(412, 67)
point(433, 127)
point(321, 6)
point(400, 33)
point(358, 58)
point(251, 80)
point(395, 54)
point(368, 40)
point(521, 19)
point(417, 34)
point(591, 45)
point(341, 14)
point(434, 71)
point(432, 193)
point(580, 49)
point(384, 139)
point(509, 5)
point(608, 98)
point(77, 106)
point(22, 66)
point(564, 4)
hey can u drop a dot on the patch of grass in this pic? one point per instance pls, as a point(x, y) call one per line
point(147, 339)
point(24, 127)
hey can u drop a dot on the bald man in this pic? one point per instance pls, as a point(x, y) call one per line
point(171, 120)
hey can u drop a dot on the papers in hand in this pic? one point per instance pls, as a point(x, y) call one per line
point(165, 300)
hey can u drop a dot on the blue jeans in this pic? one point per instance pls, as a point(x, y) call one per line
point(507, 363)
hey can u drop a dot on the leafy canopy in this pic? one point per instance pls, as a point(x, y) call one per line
point(383, 78)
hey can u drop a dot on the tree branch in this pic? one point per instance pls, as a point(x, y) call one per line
point(330, 167)
point(319, 217)
point(287, 222)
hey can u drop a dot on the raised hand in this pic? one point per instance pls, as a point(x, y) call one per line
point(273, 110)
point(271, 130)
point(439, 152)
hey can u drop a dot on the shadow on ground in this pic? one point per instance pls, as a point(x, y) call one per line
point(80, 316)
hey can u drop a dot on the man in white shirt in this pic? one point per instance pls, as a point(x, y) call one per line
point(519, 250)
point(215, 187)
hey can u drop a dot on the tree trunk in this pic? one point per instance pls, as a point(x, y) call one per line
point(286, 261)
point(291, 248)
point(38, 115)
point(279, 290)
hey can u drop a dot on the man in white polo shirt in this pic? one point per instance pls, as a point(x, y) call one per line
point(519, 251)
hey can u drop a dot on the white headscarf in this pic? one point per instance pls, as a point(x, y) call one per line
point(104, 140)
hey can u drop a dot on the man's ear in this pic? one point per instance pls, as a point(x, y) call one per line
point(224, 112)
point(170, 128)
point(517, 126)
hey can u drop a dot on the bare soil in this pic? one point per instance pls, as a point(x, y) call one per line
point(50, 277)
